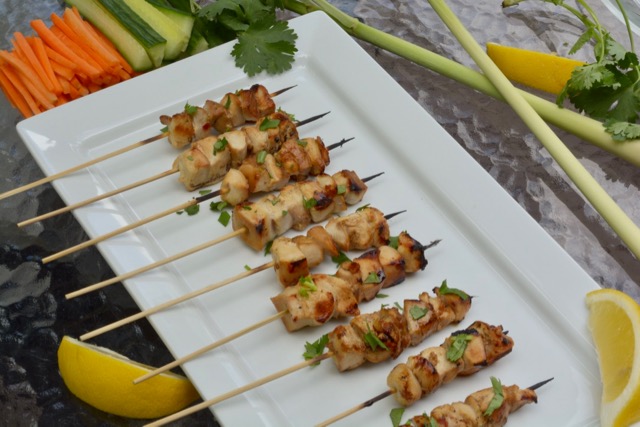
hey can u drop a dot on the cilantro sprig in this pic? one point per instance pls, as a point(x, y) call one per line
point(264, 43)
point(608, 89)
point(316, 348)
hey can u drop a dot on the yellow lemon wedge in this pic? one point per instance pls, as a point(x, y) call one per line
point(614, 321)
point(104, 380)
point(543, 71)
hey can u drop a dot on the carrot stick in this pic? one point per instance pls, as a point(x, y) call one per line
point(29, 76)
point(55, 56)
point(62, 71)
point(54, 42)
point(29, 54)
point(38, 47)
point(14, 96)
point(78, 85)
point(66, 86)
point(17, 83)
point(77, 25)
point(78, 50)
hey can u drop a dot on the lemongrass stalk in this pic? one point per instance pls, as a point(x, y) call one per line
point(597, 196)
point(583, 127)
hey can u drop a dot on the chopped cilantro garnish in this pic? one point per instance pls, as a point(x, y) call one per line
point(498, 397)
point(394, 242)
point(227, 103)
point(433, 422)
point(285, 212)
point(398, 306)
point(373, 341)
point(224, 218)
point(315, 348)
point(361, 208)
point(261, 157)
point(190, 158)
point(458, 346)
point(444, 290)
point(246, 267)
point(418, 312)
point(219, 145)
point(275, 201)
point(302, 143)
point(218, 206)
point(192, 210)
point(382, 296)
point(309, 203)
point(306, 286)
point(164, 129)
point(267, 248)
point(204, 192)
point(190, 109)
point(267, 124)
point(341, 189)
point(246, 207)
point(340, 258)
point(396, 416)
point(372, 277)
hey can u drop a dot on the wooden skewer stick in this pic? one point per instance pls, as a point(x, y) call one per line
point(97, 198)
point(146, 268)
point(127, 188)
point(175, 301)
point(355, 409)
point(203, 405)
point(211, 346)
point(152, 218)
point(99, 159)
point(80, 166)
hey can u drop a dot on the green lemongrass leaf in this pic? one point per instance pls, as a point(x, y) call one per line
point(497, 399)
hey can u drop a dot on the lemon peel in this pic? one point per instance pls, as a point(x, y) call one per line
point(614, 322)
point(543, 71)
point(104, 380)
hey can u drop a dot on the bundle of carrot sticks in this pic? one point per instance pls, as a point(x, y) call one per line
point(64, 61)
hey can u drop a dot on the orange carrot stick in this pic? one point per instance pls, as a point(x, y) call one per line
point(54, 42)
point(17, 83)
point(29, 75)
point(14, 96)
point(29, 54)
point(55, 56)
point(77, 25)
point(38, 47)
point(77, 49)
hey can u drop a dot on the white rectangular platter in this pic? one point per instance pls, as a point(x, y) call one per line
point(490, 247)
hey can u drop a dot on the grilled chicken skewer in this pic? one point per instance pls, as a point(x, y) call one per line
point(314, 189)
point(241, 108)
point(477, 409)
point(463, 353)
point(209, 165)
point(317, 298)
point(387, 327)
point(291, 263)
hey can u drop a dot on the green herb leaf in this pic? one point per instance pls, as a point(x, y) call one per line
point(204, 192)
point(398, 306)
point(267, 248)
point(306, 285)
point(218, 206)
point(261, 157)
point(309, 203)
point(265, 45)
point(219, 145)
point(361, 208)
point(458, 346)
point(190, 109)
point(267, 124)
point(224, 218)
point(341, 189)
point(246, 267)
point(373, 341)
point(164, 129)
point(433, 422)
point(302, 143)
point(444, 290)
point(498, 397)
point(396, 416)
point(192, 210)
point(340, 258)
point(315, 348)
point(372, 277)
point(382, 296)
point(227, 104)
point(394, 241)
point(418, 312)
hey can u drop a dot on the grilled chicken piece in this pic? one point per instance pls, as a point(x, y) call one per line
point(435, 366)
point(369, 229)
point(412, 252)
point(314, 300)
point(272, 215)
point(352, 345)
point(248, 105)
point(208, 160)
point(471, 412)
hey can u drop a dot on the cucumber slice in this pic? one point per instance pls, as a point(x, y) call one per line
point(184, 20)
point(176, 39)
point(142, 50)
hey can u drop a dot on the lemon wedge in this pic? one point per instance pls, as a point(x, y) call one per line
point(614, 321)
point(104, 380)
point(543, 71)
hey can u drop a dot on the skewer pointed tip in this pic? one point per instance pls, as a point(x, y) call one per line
point(391, 215)
point(369, 178)
point(540, 384)
point(311, 119)
point(281, 91)
point(339, 143)
point(431, 245)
